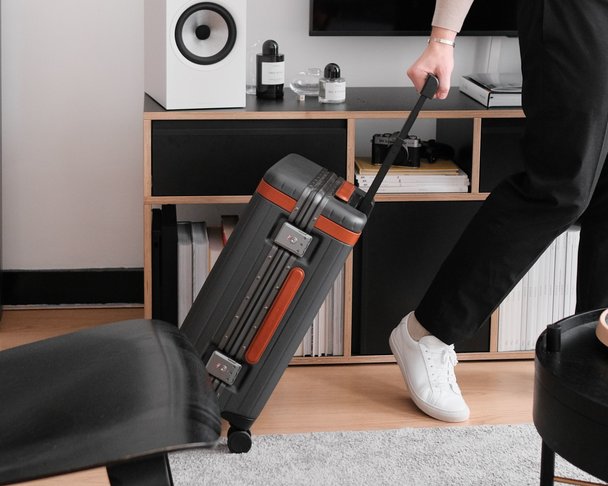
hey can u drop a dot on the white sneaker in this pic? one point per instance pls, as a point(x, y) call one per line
point(428, 369)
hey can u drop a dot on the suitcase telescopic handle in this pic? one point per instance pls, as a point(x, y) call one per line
point(428, 91)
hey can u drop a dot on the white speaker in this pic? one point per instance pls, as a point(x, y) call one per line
point(195, 53)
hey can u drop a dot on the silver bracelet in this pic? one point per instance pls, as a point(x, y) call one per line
point(441, 40)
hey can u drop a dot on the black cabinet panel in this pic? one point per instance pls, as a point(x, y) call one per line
point(458, 134)
point(229, 157)
point(501, 154)
point(400, 251)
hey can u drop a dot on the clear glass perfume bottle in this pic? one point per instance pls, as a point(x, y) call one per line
point(332, 88)
point(252, 52)
point(306, 83)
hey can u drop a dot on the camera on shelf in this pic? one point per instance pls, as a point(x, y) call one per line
point(412, 150)
point(409, 154)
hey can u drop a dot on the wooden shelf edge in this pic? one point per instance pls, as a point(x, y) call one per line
point(431, 196)
point(496, 355)
point(434, 196)
point(151, 200)
point(327, 115)
point(371, 359)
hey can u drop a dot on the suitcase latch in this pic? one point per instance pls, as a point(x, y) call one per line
point(293, 239)
point(223, 368)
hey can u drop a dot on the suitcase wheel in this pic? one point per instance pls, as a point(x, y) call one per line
point(239, 441)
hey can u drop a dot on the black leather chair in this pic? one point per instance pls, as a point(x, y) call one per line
point(120, 395)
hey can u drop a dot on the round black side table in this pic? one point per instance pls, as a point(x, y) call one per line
point(571, 396)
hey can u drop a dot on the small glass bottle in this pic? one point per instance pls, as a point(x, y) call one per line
point(270, 76)
point(306, 83)
point(332, 88)
point(252, 52)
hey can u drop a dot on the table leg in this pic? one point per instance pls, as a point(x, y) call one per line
point(547, 466)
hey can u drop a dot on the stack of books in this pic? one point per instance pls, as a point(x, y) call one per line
point(198, 247)
point(546, 294)
point(493, 89)
point(325, 337)
point(439, 176)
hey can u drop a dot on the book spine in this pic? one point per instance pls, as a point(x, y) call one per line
point(478, 93)
point(168, 270)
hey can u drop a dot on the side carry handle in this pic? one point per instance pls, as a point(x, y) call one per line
point(428, 91)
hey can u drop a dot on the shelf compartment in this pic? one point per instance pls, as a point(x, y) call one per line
point(218, 157)
point(401, 250)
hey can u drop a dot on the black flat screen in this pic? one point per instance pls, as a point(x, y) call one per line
point(405, 17)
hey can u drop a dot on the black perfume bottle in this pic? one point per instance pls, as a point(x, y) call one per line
point(270, 72)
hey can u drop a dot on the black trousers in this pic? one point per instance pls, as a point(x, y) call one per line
point(564, 52)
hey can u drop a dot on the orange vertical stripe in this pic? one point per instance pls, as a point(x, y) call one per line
point(275, 315)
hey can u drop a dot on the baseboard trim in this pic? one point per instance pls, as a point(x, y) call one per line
point(73, 287)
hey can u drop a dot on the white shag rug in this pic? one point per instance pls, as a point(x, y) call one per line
point(488, 455)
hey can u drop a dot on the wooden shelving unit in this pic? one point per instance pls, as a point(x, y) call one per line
point(362, 104)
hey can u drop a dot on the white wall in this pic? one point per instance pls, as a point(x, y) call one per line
point(72, 82)
point(72, 101)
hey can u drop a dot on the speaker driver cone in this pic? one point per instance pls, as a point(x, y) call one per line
point(205, 33)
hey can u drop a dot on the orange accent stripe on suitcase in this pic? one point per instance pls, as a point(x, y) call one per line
point(336, 231)
point(345, 191)
point(275, 196)
point(275, 315)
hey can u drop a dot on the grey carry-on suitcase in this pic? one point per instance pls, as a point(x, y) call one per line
point(273, 275)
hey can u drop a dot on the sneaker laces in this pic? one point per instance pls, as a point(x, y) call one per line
point(440, 363)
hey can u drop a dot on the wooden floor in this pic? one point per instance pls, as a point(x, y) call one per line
point(315, 398)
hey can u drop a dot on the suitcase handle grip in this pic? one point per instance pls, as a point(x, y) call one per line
point(428, 91)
